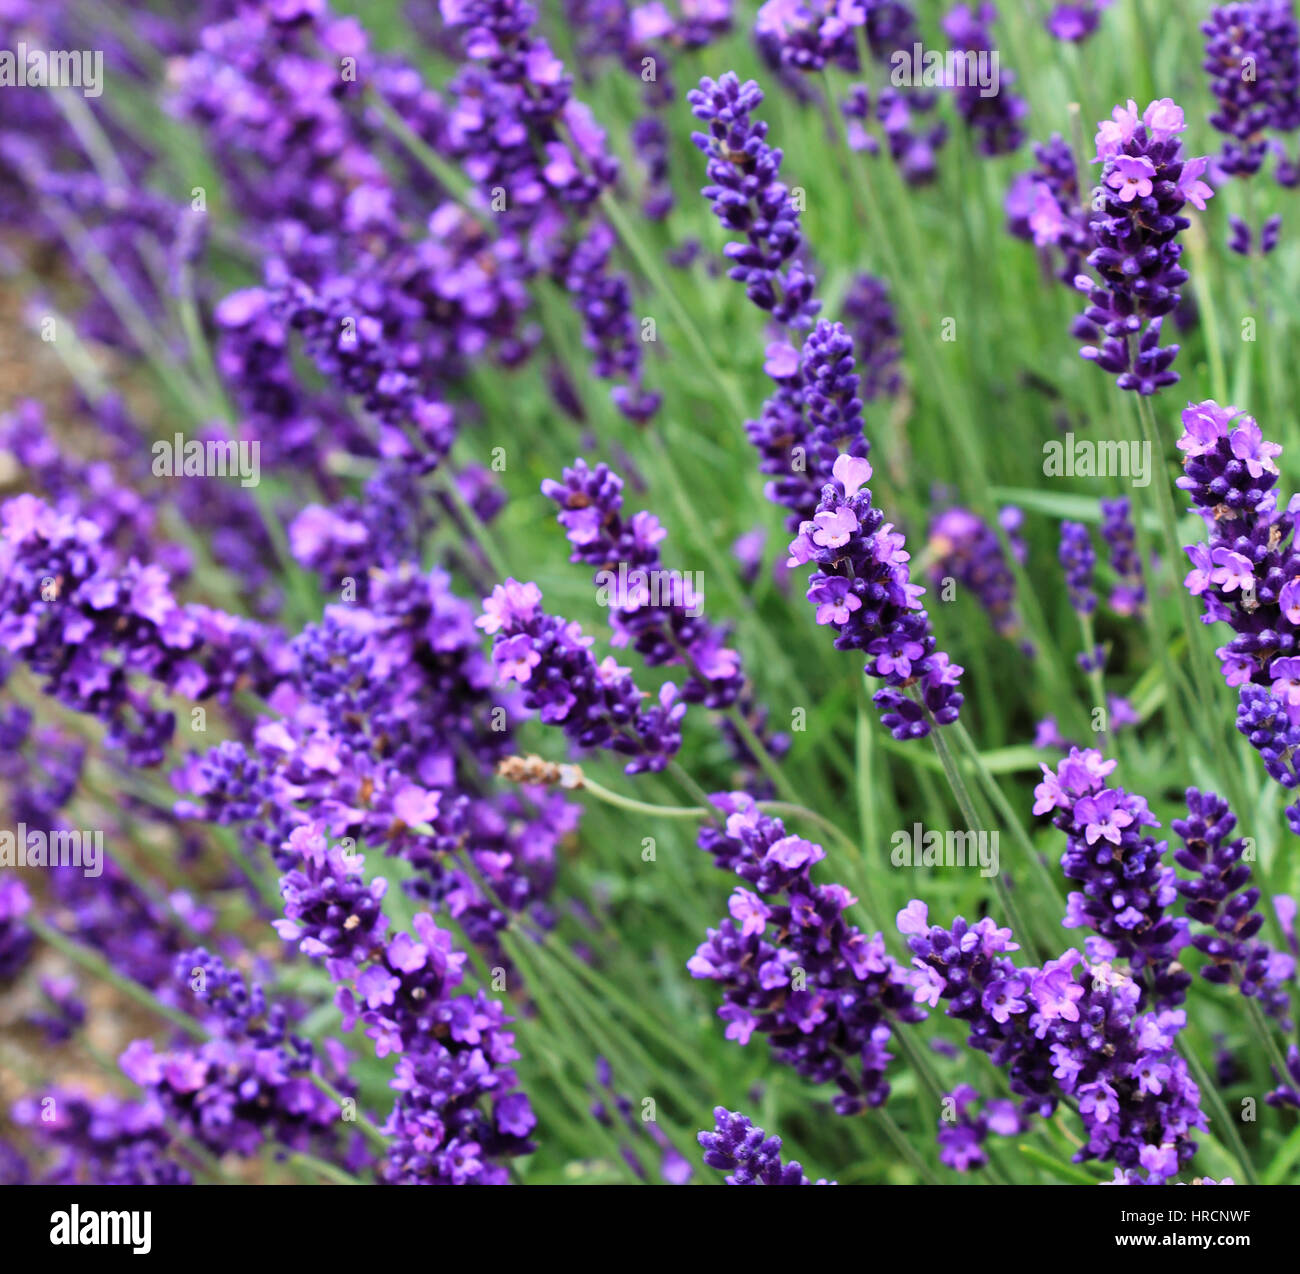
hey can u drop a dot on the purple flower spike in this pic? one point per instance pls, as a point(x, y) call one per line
point(1251, 58)
point(862, 589)
point(656, 611)
point(792, 967)
point(1127, 888)
point(597, 705)
point(1220, 897)
point(995, 118)
point(749, 198)
point(1134, 226)
point(748, 1154)
point(1070, 1028)
point(1078, 559)
point(1248, 573)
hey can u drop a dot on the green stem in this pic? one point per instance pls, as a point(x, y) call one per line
point(1212, 1095)
point(962, 796)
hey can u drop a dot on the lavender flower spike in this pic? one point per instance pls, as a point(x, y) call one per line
point(1248, 574)
point(862, 589)
point(1127, 887)
point(744, 1150)
point(749, 198)
point(598, 705)
point(1145, 183)
point(656, 611)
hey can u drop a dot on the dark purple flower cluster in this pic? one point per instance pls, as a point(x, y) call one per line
point(963, 1130)
point(458, 1110)
point(1128, 595)
point(869, 316)
point(1135, 222)
point(964, 548)
point(861, 587)
point(1078, 561)
point(598, 705)
point(90, 627)
point(522, 135)
point(994, 117)
point(1075, 20)
point(913, 143)
point(815, 412)
point(1268, 720)
point(807, 34)
point(1046, 208)
point(1252, 56)
point(1287, 1092)
point(792, 966)
point(1058, 1033)
point(749, 198)
point(104, 1140)
point(656, 611)
point(1248, 574)
point(1127, 887)
point(387, 729)
point(1220, 897)
point(250, 1081)
point(748, 1154)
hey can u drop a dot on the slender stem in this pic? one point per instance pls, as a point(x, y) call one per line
point(369, 1130)
point(967, 808)
point(905, 1147)
point(95, 964)
point(1006, 812)
point(785, 808)
point(1212, 1095)
point(1265, 1032)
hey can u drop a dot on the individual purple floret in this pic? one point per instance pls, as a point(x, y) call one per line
point(1145, 182)
point(1129, 593)
point(990, 109)
point(656, 611)
point(963, 1130)
point(1127, 887)
point(1078, 560)
point(749, 198)
point(1075, 22)
point(1046, 208)
point(598, 705)
point(1248, 574)
point(1221, 897)
point(965, 548)
point(862, 588)
point(1058, 1033)
point(748, 1154)
point(793, 968)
